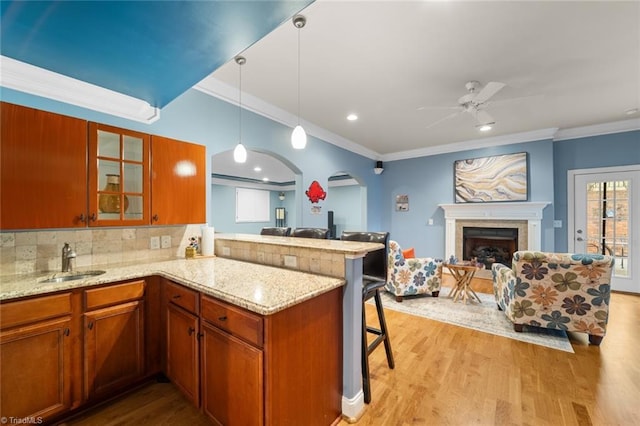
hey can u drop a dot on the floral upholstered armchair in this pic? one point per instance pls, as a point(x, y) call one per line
point(560, 291)
point(408, 277)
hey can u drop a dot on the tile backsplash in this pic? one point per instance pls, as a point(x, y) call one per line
point(26, 252)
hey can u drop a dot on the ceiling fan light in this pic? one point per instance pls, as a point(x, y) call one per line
point(240, 153)
point(298, 137)
point(484, 127)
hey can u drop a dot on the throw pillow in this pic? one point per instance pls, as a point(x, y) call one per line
point(409, 253)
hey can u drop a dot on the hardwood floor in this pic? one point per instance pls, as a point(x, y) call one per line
point(447, 375)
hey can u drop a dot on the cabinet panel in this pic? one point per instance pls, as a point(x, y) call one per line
point(35, 370)
point(232, 379)
point(118, 192)
point(178, 182)
point(43, 169)
point(114, 348)
point(182, 352)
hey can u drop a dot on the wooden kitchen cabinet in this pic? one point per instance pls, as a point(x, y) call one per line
point(178, 182)
point(114, 337)
point(118, 184)
point(232, 379)
point(43, 169)
point(36, 357)
point(183, 328)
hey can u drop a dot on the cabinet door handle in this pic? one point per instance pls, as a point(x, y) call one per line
point(155, 217)
point(222, 318)
point(90, 326)
point(176, 296)
point(199, 335)
point(67, 331)
point(82, 218)
point(93, 217)
point(191, 330)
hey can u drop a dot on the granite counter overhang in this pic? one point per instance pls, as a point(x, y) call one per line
point(261, 289)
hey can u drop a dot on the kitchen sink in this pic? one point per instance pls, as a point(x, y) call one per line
point(72, 277)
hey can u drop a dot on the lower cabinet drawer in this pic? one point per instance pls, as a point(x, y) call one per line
point(113, 294)
point(37, 309)
point(240, 323)
point(183, 297)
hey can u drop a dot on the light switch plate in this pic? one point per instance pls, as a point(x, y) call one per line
point(430, 221)
point(154, 243)
point(165, 241)
point(557, 224)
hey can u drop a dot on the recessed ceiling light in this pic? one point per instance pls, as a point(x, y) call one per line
point(352, 117)
point(265, 179)
point(484, 127)
point(257, 169)
point(631, 111)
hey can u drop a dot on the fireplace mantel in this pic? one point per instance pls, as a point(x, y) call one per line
point(529, 211)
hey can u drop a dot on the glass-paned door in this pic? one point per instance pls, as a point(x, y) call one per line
point(606, 217)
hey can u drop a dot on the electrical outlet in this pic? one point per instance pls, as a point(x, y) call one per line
point(154, 243)
point(290, 261)
point(430, 221)
point(165, 241)
point(557, 224)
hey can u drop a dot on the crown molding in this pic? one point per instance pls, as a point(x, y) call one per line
point(37, 81)
point(216, 88)
point(514, 138)
point(598, 129)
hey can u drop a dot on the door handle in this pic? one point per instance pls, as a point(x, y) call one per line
point(579, 231)
point(579, 239)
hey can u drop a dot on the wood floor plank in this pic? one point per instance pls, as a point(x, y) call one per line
point(448, 375)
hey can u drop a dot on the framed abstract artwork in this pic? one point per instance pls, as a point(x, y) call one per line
point(491, 179)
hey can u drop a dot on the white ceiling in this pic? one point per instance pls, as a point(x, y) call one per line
point(396, 64)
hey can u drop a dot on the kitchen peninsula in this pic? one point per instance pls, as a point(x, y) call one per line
point(280, 322)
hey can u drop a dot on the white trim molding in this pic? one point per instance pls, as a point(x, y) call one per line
point(37, 81)
point(529, 211)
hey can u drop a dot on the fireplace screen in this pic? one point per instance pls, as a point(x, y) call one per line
point(489, 245)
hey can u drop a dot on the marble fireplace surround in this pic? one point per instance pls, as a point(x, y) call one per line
point(525, 216)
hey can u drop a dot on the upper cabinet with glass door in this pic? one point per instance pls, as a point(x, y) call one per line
point(119, 191)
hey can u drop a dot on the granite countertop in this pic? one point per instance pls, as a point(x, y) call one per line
point(258, 288)
point(336, 246)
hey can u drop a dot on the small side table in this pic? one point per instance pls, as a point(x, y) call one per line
point(463, 274)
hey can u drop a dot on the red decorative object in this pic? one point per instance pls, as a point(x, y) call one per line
point(315, 192)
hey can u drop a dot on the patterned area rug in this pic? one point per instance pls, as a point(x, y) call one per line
point(484, 317)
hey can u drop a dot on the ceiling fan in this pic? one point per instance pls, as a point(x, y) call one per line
point(474, 103)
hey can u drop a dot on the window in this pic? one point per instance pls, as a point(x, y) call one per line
point(252, 205)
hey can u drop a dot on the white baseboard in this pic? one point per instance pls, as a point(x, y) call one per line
point(352, 409)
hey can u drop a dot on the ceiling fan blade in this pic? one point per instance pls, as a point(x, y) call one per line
point(443, 119)
point(488, 91)
point(483, 117)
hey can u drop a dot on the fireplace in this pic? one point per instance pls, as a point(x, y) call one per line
point(489, 245)
point(526, 217)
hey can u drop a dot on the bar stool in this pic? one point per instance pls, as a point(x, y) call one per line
point(374, 274)
point(280, 231)
point(318, 233)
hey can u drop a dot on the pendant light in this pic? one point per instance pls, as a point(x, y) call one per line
point(240, 152)
point(299, 136)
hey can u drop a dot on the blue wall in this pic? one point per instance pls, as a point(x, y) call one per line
point(428, 181)
point(619, 149)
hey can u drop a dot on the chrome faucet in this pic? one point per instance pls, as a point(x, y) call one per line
point(68, 254)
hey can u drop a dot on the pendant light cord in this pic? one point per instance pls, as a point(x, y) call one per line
point(298, 76)
point(240, 104)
